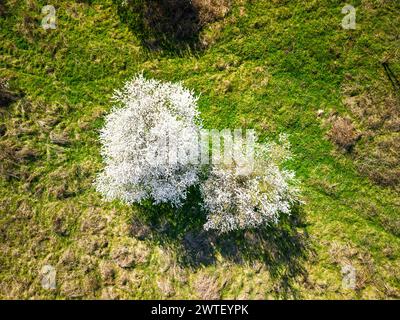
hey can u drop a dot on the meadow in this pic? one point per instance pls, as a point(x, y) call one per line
point(275, 66)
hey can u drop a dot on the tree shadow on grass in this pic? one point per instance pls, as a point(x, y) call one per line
point(7, 96)
point(282, 248)
point(169, 25)
point(161, 24)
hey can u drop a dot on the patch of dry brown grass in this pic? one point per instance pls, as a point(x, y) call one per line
point(377, 111)
point(382, 162)
point(344, 254)
point(211, 10)
point(166, 287)
point(343, 133)
point(207, 287)
point(13, 157)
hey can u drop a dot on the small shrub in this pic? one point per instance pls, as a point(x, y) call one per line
point(135, 149)
point(343, 134)
point(238, 198)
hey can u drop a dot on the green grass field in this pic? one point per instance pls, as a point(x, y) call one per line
point(276, 66)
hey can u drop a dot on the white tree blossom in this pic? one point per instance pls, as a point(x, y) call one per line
point(152, 143)
point(238, 198)
point(148, 143)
